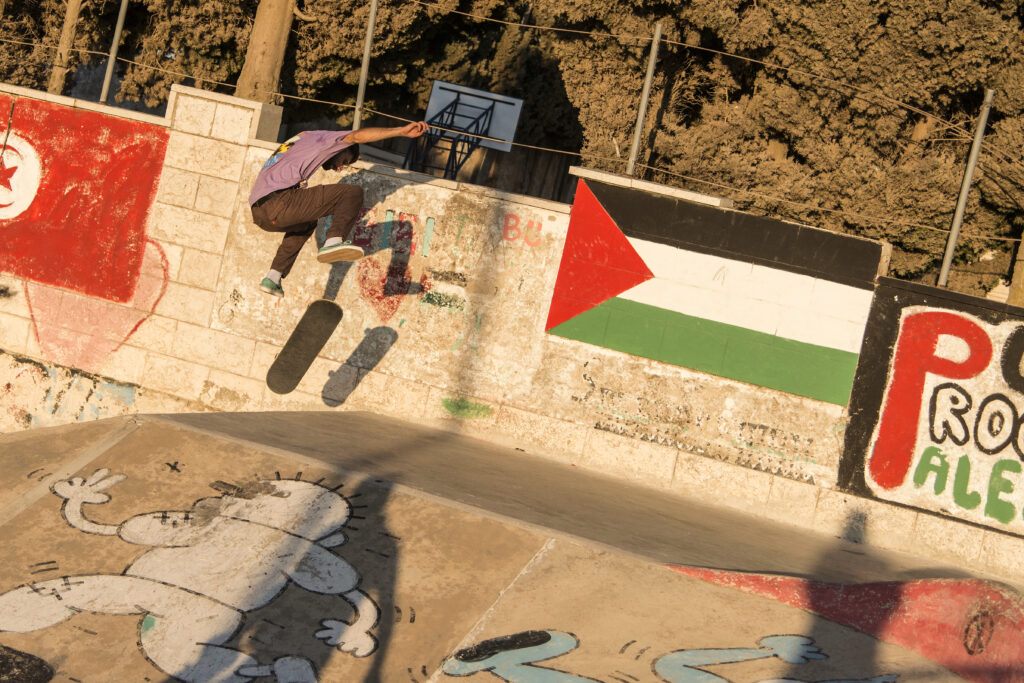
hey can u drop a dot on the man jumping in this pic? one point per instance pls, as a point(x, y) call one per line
point(281, 202)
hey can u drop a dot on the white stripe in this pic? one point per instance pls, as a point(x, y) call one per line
point(759, 298)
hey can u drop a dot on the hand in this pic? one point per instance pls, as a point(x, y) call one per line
point(792, 649)
point(414, 130)
point(335, 633)
point(89, 490)
point(290, 669)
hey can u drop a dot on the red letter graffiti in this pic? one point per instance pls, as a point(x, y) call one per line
point(914, 358)
point(511, 230)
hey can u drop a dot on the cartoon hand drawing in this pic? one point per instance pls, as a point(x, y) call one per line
point(208, 566)
point(680, 666)
point(511, 658)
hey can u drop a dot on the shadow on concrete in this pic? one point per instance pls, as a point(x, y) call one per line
point(870, 605)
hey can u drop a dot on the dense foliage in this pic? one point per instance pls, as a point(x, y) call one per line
point(865, 131)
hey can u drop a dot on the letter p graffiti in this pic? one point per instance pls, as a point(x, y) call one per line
point(914, 358)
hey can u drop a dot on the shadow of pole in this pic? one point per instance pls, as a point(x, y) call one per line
point(827, 598)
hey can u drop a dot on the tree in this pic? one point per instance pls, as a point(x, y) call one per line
point(261, 72)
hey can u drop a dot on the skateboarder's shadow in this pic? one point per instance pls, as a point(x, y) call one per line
point(390, 280)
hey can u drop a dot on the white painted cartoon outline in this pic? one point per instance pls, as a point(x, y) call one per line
point(192, 598)
point(513, 659)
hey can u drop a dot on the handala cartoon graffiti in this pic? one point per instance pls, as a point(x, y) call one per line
point(513, 658)
point(209, 565)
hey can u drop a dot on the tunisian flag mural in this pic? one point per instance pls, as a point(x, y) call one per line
point(75, 189)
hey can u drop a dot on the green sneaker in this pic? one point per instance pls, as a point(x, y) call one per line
point(272, 288)
point(345, 251)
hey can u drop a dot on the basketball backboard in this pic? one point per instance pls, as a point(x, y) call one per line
point(503, 121)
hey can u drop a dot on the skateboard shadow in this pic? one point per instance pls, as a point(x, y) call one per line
point(373, 237)
point(363, 359)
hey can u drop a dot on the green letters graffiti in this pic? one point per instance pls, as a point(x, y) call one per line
point(932, 460)
point(995, 507)
point(966, 499)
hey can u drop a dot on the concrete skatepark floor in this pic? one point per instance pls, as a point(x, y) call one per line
point(352, 547)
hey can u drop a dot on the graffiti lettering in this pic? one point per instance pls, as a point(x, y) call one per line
point(916, 356)
point(934, 464)
point(530, 233)
point(996, 425)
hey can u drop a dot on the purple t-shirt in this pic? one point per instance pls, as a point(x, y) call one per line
point(297, 159)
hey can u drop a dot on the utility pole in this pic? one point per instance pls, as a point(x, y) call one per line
point(67, 40)
point(965, 188)
point(112, 58)
point(364, 71)
point(644, 96)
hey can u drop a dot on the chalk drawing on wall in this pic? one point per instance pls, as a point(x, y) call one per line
point(81, 331)
point(20, 173)
point(207, 567)
point(514, 658)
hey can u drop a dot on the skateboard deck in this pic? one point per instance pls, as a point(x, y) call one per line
point(307, 340)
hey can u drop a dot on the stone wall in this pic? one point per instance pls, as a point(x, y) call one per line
point(444, 324)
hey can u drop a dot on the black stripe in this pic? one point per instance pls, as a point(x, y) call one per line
point(740, 236)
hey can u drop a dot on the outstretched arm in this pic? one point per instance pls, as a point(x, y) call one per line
point(412, 130)
point(77, 492)
point(321, 571)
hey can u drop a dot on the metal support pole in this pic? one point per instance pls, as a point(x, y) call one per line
point(114, 46)
point(365, 70)
point(644, 96)
point(965, 187)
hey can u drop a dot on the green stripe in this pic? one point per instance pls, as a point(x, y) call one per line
point(766, 360)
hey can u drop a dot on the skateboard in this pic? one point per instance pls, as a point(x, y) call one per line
point(307, 340)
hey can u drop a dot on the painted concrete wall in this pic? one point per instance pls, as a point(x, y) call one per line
point(937, 421)
point(444, 324)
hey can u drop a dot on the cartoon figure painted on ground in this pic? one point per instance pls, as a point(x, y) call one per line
point(513, 658)
point(192, 599)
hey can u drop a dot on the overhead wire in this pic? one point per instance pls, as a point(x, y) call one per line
point(946, 125)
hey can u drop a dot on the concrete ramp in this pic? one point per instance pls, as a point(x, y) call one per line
point(152, 550)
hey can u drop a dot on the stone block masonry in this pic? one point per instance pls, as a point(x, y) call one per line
point(444, 324)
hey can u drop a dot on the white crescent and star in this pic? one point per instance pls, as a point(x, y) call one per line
point(20, 174)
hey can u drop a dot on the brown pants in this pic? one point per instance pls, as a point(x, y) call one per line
point(296, 210)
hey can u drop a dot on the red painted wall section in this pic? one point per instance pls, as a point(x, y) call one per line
point(973, 628)
point(75, 191)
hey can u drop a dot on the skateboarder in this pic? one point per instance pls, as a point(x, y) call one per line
point(281, 202)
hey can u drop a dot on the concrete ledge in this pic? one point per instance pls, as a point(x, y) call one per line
point(86, 105)
point(655, 188)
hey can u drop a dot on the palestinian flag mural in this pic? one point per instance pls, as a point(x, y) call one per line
point(743, 297)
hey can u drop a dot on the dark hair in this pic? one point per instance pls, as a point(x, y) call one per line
point(350, 151)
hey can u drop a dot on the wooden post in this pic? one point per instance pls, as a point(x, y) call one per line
point(644, 96)
point(965, 188)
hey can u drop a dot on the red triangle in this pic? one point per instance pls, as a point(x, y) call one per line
point(598, 262)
